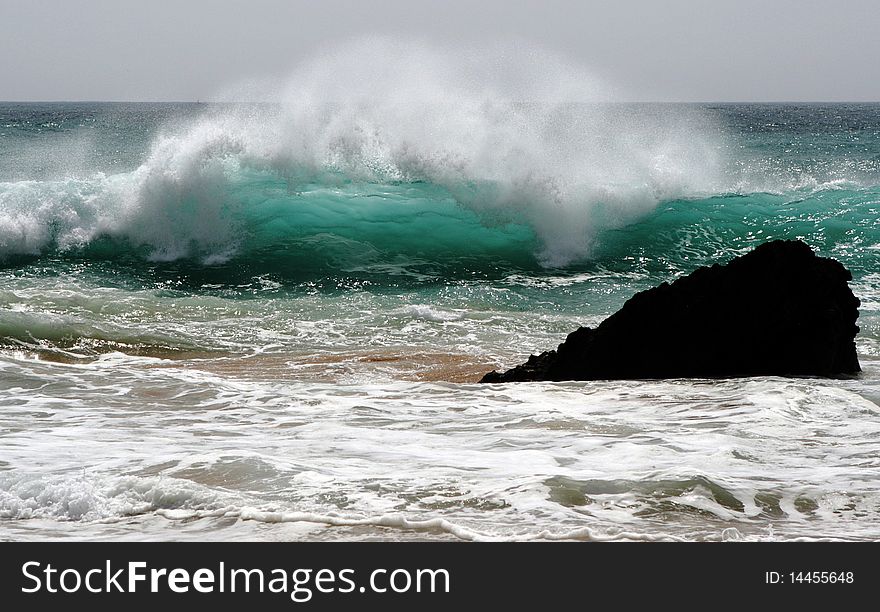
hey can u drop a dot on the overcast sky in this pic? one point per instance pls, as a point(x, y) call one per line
point(668, 50)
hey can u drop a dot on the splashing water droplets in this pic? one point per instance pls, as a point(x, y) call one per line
point(514, 135)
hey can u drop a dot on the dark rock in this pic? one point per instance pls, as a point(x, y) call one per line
point(778, 310)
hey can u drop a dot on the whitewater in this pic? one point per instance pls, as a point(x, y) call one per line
point(264, 317)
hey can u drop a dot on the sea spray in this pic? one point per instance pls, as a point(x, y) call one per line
point(513, 137)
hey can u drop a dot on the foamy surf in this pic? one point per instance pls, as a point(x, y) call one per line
point(230, 457)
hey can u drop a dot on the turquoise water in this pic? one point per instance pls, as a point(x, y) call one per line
point(260, 321)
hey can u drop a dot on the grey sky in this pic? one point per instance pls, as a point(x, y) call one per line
point(670, 50)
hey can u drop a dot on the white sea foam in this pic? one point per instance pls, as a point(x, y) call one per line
point(429, 313)
point(88, 498)
point(129, 443)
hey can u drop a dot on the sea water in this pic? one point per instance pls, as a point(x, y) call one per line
point(267, 320)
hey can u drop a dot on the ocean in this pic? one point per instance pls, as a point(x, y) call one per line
point(266, 320)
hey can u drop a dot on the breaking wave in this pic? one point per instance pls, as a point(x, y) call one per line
point(382, 155)
point(385, 142)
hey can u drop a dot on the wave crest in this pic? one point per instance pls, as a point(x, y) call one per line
point(512, 136)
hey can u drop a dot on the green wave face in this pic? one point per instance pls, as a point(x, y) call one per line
point(374, 230)
point(679, 235)
point(417, 232)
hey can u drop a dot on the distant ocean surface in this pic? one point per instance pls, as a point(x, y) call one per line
point(266, 321)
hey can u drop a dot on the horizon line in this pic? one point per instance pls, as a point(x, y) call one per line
point(199, 101)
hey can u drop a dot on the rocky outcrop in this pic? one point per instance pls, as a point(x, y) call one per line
point(778, 310)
